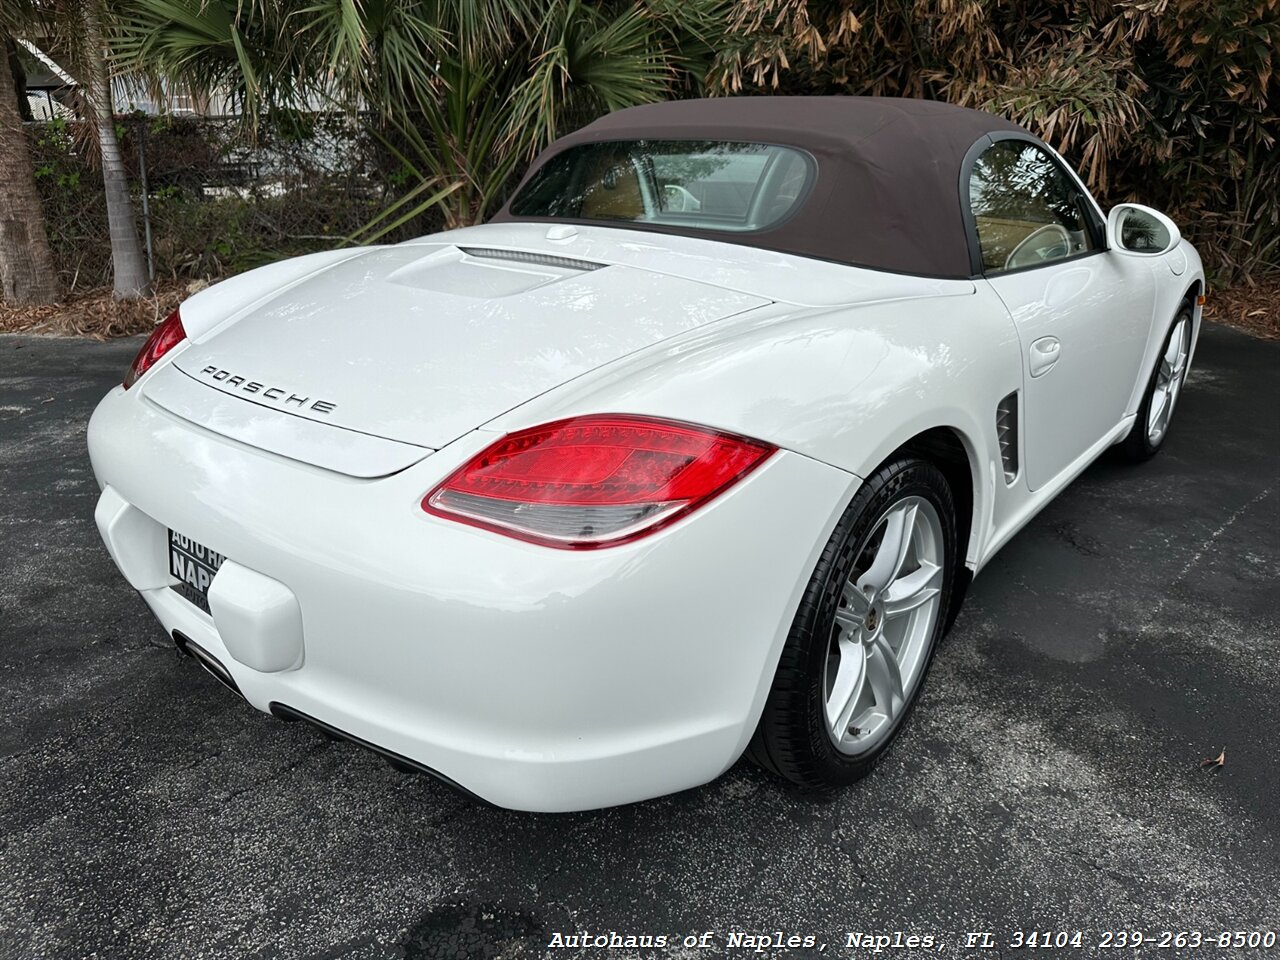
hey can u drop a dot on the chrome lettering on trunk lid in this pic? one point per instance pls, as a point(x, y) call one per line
point(274, 394)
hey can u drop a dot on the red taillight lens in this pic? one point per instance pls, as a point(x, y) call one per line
point(163, 339)
point(594, 481)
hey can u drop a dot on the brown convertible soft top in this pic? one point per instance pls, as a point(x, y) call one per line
point(887, 188)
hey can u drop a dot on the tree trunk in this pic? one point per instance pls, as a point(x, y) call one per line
point(128, 266)
point(26, 266)
point(19, 77)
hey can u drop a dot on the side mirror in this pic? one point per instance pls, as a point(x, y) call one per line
point(1135, 229)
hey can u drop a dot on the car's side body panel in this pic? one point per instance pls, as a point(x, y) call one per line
point(1182, 264)
point(1084, 325)
point(845, 385)
point(850, 384)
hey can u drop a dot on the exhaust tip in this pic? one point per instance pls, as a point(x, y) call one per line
point(189, 648)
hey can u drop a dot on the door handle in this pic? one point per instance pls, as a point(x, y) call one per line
point(1044, 354)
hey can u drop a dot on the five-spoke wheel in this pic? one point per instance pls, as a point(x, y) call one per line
point(1155, 413)
point(1170, 373)
point(888, 608)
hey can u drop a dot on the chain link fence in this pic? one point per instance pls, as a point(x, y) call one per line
point(211, 203)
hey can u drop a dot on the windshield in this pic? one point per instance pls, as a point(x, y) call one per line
point(708, 185)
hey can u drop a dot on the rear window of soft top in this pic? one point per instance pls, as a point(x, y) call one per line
point(703, 184)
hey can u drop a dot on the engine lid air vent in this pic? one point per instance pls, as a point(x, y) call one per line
point(537, 259)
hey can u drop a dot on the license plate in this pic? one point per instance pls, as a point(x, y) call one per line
point(193, 564)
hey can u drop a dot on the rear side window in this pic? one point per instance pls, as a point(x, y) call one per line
point(707, 185)
point(1026, 209)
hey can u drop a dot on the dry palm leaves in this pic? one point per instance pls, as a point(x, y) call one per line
point(95, 314)
point(1215, 763)
point(1254, 309)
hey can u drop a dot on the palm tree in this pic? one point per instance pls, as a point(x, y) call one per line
point(77, 26)
point(129, 270)
point(26, 265)
point(461, 92)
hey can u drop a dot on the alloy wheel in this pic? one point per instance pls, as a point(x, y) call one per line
point(1169, 377)
point(888, 608)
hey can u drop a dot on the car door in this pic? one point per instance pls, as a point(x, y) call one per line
point(1083, 315)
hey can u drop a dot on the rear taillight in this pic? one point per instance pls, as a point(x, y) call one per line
point(594, 481)
point(163, 339)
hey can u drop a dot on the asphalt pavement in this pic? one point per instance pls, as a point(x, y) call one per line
point(1050, 779)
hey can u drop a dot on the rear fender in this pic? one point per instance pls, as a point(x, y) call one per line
point(846, 386)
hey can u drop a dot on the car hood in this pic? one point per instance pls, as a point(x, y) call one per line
point(421, 344)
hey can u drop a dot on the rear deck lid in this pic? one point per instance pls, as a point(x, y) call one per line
point(421, 346)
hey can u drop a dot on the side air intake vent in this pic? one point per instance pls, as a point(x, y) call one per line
point(1007, 433)
point(541, 259)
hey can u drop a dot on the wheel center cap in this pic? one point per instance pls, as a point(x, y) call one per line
point(873, 619)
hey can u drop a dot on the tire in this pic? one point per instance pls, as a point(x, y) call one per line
point(1149, 432)
point(844, 619)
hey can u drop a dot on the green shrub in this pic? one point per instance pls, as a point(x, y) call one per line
point(217, 205)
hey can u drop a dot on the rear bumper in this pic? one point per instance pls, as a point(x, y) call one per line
point(537, 679)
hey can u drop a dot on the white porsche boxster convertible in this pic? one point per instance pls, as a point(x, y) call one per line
point(691, 451)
